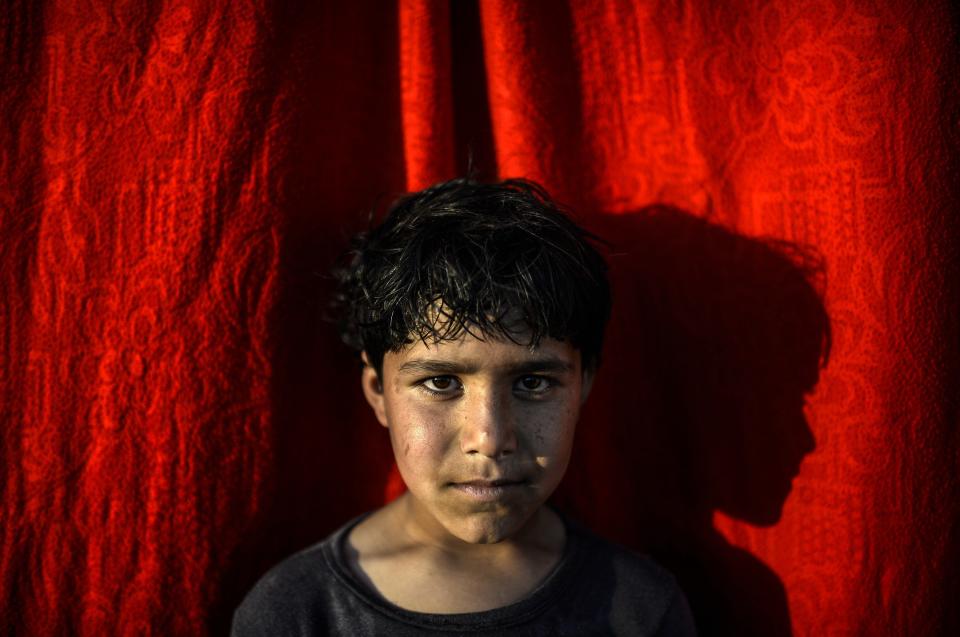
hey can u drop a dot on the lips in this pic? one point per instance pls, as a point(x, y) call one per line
point(487, 490)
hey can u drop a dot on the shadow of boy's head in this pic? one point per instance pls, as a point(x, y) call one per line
point(726, 334)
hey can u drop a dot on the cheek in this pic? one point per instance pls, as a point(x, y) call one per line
point(416, 446)
point(551, 429)
point(417, 434)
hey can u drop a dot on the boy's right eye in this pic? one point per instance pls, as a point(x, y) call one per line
point(441, 384)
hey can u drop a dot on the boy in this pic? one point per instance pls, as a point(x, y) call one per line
point(478, 311)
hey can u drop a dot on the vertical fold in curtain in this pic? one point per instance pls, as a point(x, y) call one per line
point(535, 96)
point(426, 100)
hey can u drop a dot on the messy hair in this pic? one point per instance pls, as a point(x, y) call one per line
point(495, 260)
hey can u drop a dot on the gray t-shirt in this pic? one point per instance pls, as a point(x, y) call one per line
point(598, 588)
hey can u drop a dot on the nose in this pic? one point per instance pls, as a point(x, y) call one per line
point(488, 427)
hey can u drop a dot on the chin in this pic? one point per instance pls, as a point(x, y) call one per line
point(485, 528)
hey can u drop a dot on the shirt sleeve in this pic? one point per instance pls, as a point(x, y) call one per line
point(267, 610)
point(250, 623)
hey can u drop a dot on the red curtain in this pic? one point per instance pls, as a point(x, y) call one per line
point(175, 178)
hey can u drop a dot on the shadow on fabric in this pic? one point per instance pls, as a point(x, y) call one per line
point(715, 341)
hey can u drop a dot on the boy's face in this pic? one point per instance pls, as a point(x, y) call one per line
point(481, 429)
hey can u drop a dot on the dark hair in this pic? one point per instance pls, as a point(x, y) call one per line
point(463, 256)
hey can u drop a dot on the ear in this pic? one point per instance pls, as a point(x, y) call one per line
point(373, 389)
point(586, 383)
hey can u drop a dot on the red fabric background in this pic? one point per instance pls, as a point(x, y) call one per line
point(175, 177)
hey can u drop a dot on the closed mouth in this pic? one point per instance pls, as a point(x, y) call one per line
point(488, 489)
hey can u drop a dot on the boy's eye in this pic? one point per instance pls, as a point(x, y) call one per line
point(533, 384)
point(441, 384)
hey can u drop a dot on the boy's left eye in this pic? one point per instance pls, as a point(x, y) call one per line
point(533, 384)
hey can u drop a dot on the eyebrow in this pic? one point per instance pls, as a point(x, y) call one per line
point(434, 366)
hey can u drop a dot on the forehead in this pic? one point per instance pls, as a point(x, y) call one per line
point(471, 353)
